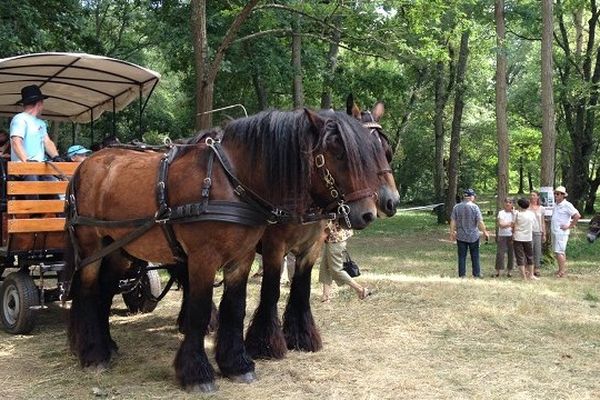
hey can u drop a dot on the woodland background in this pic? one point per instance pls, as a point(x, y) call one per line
point(434, 63)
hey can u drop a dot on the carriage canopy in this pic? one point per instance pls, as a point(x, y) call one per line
point(80, 87)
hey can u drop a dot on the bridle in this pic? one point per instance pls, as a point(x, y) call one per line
point(376, 130)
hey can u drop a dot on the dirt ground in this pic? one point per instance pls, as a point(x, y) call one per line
point(423, 335)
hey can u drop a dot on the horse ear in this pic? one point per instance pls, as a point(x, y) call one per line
point(352, 108)
point(378, 110)
point(349, 104)
point(315, 120)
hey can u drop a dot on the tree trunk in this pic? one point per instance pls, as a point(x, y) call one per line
point(206, 71)
point(501, 106)
point(198, 9)
point(453, 164)
point(442, 92)
point(548, 131)
point(297, 88)
point(331, 65)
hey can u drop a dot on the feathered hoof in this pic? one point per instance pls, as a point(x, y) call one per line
point(248, 377)
point(209, 387)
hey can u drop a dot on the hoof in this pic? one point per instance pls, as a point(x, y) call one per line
point(96, 368)
point(248, 377)
point(210, 387)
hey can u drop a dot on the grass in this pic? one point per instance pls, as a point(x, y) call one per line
point(424, 334)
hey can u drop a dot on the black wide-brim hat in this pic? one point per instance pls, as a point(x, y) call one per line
point(31, 94)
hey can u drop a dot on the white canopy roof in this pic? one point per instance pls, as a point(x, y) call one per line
point(80, 86)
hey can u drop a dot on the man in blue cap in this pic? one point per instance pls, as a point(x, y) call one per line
point(77, 153)
point(465, 223)
point(29, 138)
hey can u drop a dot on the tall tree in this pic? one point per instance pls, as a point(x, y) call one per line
point(208, 67)
point(459, 103)
point(297, 88)
point(501, 105)
point(548, 131)
point(580, 77)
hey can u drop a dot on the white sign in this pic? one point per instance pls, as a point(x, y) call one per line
point(547, 199)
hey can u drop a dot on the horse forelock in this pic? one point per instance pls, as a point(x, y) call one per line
point(361, 149)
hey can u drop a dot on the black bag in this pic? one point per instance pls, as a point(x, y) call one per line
point(350, 266)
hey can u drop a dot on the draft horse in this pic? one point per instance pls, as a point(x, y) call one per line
point(265, 337)
point(206, 205)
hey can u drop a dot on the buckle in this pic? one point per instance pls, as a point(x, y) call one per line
point(319, 160)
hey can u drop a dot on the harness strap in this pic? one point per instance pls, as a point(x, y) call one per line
point(164, 211)
point(117, 244)
point(273, 214)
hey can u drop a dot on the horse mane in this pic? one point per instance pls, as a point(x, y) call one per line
point(286, 143)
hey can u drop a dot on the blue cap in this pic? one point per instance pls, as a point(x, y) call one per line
point(469, 192)
point(76, 150)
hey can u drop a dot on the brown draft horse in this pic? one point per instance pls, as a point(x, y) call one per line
point(265, 337)
point(281, 156)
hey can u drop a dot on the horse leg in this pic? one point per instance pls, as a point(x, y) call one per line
point(231, 355)
point(264, 337)
point(179, 271)
point(192, 368)
point(299, 327)
point(113, 268)
point(87, 328)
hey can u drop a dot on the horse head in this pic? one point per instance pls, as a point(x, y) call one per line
point(593, 229)
point(346, 162)
point(389, 198)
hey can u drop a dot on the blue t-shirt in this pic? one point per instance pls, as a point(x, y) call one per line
point(33, 131)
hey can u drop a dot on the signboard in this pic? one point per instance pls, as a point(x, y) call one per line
point(547, 199)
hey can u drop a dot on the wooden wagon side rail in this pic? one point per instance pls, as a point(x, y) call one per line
point(26, 215)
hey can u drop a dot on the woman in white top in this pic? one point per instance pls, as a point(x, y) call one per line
point(522, 238)
point(539, 230)
point(504, 239)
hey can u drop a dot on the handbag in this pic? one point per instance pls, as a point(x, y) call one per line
point(350, 266)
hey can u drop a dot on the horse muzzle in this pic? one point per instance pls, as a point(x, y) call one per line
point(387, 202)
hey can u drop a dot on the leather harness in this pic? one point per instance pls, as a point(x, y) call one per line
point(253, 210)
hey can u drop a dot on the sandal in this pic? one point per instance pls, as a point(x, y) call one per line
point(366, 292)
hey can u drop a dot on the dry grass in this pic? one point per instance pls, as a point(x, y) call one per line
point(423, 335)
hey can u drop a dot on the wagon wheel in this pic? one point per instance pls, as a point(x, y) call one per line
point(142, 298)
point(18, 294)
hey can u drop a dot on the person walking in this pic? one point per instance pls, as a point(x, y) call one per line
point(465, 223)
point(564, 217)
point(504, 240)
point(332, 263)
point(539, 230)
point(523, 237)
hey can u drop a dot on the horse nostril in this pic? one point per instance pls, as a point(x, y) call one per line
point(368, 217)
point(389, 205)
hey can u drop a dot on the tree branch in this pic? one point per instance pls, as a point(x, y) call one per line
point(229, 36)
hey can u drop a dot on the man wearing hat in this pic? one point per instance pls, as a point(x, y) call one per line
point(28, 134)
point(564, 217)
point(77, 153)
point(465, 223)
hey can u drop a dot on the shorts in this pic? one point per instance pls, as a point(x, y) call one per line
point(559, 243)
point(523, 252)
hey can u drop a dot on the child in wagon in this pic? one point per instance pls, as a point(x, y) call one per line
point(523, 238)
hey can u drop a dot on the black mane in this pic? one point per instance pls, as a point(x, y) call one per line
point(286, 143)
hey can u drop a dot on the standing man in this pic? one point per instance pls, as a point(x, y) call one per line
point(465, 223)
point(28, 134)
point(564, 217)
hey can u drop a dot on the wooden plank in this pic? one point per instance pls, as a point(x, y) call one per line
point(36, 187)
point(23, 225)
point(41, 168)
point(35, 206)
